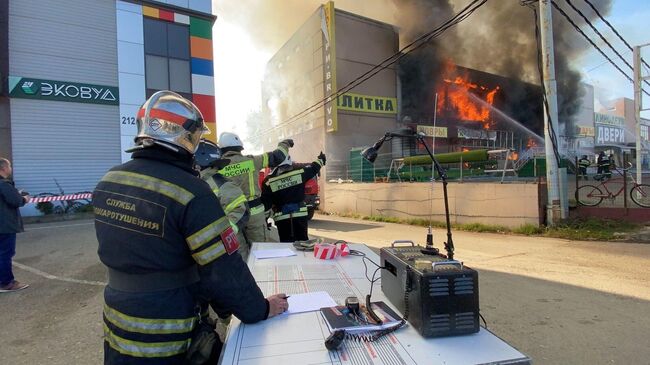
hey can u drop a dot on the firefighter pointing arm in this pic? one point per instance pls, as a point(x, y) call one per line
point(167, 244)
point(284, 191)
point(243, 171)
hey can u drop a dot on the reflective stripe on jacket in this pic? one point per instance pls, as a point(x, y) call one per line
point(233, 201)
point(285, 191)
point(154, 215)
point(301, 212)
point(243, 170)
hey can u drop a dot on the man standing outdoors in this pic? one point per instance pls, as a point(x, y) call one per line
point(284, 191)
point(243, 170)
point(10, 224)
point(167, 244)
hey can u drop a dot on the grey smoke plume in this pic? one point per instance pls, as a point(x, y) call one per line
point(271, 23)
point(498, 38)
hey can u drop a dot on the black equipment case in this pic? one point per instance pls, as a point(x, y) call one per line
point(439, 296)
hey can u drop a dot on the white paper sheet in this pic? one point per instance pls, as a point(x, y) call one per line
point(309, 302)
point(273, 253)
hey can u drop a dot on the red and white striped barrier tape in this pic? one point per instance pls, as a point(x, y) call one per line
point(328, 251)
point(42, 199)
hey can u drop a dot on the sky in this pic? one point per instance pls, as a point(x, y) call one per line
point(630, 18)
point(242, 46)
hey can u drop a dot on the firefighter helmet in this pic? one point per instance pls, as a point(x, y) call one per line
point(227, 139)
point(169, 120)
point(207, 154)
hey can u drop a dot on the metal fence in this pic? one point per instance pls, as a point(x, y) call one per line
point(389, 169)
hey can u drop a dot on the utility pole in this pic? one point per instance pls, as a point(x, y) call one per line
point(554, 211)
point(638, 107)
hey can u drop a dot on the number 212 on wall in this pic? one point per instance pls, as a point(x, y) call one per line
point(128, 120)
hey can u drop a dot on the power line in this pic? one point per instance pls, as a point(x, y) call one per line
point(603, 63)
point(600, 35)
point(392, 59)
point(577, 28)
point(612, 28)
point(416, 44)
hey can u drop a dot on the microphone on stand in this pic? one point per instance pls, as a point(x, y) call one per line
point(371, 154)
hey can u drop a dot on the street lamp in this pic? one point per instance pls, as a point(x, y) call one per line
point(370, 154)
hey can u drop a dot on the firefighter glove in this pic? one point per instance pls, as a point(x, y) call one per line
point(322, 157)
point(288, 142)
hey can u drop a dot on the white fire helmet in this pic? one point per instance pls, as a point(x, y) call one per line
point(169, 120)
point(227, 139)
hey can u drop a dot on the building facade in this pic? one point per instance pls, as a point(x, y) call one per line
point(330, 50)
point(615, 131)
point(474, 109)
point(75, 72)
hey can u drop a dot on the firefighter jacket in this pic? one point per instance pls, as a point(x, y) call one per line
point(603, 160)
point(285, 191)
point(583, 162)
point(244, 170)
point(233, 201)
point(166, 243)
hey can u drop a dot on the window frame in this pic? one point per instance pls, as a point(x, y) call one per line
point(168, 58)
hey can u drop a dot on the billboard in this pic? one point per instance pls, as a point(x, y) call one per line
point(609, 130)
point(367, 103)
point(29, 88)
point(329, 65)
point(431, 131)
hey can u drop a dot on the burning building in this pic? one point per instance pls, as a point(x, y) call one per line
point(474, 109)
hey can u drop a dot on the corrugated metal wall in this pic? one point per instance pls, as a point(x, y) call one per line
point(73, 143)
point(66, 40)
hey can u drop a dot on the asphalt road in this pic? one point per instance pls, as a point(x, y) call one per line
point(558, 301)
point(56, 320)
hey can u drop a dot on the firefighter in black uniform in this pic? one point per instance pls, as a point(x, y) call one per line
point(603, 166)
point(284, 191)
point(167, 243)
point(583, 164)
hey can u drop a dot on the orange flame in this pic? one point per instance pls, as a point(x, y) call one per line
point(456, 98)
point(531, 143)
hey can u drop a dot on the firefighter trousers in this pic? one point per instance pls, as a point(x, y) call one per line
point(256, 230)
point(293, 229)
point(244, 245)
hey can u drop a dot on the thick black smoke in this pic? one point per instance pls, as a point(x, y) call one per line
point(498, 38)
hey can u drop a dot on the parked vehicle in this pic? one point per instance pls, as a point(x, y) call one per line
point(312, 200)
